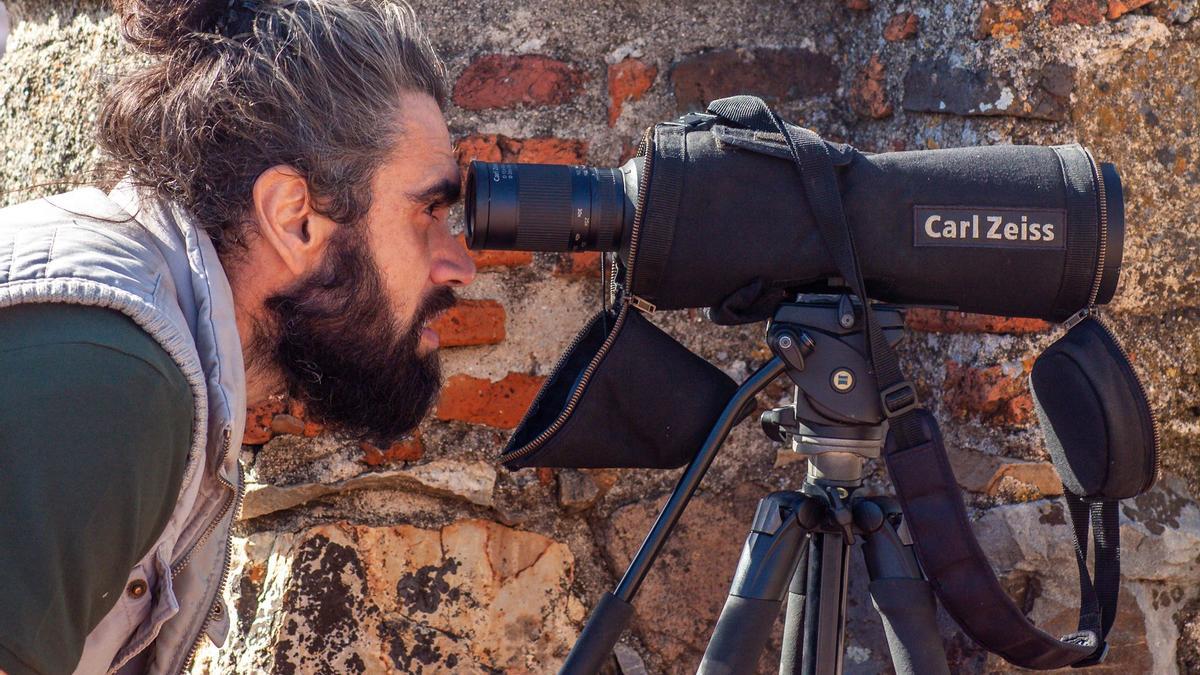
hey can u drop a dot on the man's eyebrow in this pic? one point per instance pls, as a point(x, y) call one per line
point(445, 191)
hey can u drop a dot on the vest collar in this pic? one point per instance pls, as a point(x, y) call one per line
point(204, 294)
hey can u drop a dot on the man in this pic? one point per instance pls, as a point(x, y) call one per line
point(281, 226)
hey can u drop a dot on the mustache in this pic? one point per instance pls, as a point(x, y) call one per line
point(437, 301)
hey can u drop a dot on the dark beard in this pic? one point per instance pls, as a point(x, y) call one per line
point(336, 342)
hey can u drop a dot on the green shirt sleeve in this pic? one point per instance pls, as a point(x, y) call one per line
point(95, 427)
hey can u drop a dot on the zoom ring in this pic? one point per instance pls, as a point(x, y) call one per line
point(544, 196)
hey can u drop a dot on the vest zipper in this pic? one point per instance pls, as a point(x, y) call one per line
point(212, 527)
point(234, 502)
point(228, 562)
point(628, 301)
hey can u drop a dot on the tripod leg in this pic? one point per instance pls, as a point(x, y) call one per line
point(904, 600)
point(825, 604)
point(767, 563)
point(791, 660)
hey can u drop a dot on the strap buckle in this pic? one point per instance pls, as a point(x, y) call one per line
point(1096, 657)
point(898, 399)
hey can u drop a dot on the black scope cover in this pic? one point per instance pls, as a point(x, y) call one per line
point(1025, 231)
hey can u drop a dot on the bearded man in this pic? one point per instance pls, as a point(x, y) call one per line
point(280, 226)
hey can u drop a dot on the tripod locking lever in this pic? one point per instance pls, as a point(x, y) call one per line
point(842, 515)
point(791, 345)
point(779, 424)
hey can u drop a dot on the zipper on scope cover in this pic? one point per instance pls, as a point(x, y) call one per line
point(1090, 310)
point(629, 301)
point(642, 304)
point(1155, 432)
point(1102, 244)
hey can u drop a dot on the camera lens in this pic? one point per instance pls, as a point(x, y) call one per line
point(548, 207)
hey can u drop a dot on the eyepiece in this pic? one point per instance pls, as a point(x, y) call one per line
point(548, 207)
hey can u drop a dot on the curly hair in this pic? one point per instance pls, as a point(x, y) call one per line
point(235, 87)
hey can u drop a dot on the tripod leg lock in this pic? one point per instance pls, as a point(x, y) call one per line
point(769, 555)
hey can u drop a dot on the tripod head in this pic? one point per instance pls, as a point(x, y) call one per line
point(835, 420)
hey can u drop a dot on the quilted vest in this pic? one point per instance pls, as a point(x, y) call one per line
point(148, 260)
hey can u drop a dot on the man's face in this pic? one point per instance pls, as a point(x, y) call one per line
point(408, 232)
point(351, 340)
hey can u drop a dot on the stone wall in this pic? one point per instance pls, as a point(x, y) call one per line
point(425, 557)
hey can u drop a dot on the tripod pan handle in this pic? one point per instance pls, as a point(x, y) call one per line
point(595, 644)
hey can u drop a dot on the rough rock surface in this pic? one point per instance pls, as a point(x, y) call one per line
point(419, 558)
point(473, 596)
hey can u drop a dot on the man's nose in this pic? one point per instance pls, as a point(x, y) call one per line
point(452, 265)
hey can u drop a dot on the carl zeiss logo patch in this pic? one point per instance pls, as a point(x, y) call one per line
point(988, 227)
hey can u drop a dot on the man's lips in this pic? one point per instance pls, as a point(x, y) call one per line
point(430, 338)
point(429, 334)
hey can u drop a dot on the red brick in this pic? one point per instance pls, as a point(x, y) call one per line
point(549, 151)
point(988, 392)
point(311, 428)
point(482, 147)
point(902, 26)
point(858, 5)
point(942, 321)
point(1118, 8)
point(579, 265)
point(541, 150)
point(487, 259)
point(1082, 12)
point(775, 75)
point(869, 97)
point(479, 401)
point(509, 81)
point(407, 450)
point(258, 421)
point(545, 475)
point(628, 80)
point(471, 322)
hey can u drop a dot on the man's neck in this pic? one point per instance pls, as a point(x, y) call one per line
point(249, 296)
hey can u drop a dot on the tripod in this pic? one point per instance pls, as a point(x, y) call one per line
point(799, 543)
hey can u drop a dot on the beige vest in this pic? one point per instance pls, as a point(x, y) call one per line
point(147, 260)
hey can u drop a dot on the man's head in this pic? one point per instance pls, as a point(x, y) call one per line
point(306, 137)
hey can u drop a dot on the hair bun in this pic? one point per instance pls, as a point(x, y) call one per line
point(162, 26)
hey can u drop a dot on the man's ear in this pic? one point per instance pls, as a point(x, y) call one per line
point(287, 220)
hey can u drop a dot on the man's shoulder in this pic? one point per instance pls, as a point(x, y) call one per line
point(87, 202)
point(95, 429)
point(82, 234)
point(106, 339)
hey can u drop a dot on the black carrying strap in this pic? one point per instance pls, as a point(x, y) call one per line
point(916, 457)
point(1098, 604)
